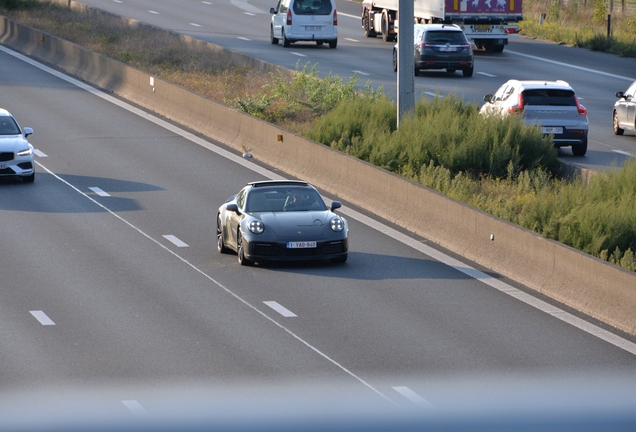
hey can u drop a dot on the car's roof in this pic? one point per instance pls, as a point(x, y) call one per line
point(265, 183)
point(429, 27)
point(5, 113)
point(536, 84)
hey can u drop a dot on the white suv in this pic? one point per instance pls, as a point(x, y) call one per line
point(551, 105)
point(304, 20)
point(16, 154)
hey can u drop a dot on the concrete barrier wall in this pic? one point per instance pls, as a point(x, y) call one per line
point(578, 280)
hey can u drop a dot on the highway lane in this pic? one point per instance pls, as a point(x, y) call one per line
point(93, 292)
point(244, 27)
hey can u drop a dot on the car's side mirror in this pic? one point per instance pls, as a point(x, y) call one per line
point(28, 131)
point(232, 207)
point(335, 205)
point(488, 98)
point(272, 11)
point(620, 95)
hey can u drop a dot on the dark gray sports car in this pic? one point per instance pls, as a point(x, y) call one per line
point(281, 220)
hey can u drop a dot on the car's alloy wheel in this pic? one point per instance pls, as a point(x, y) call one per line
point(395, 60)
point(617, 129)
point(220, 244)
point(240, 250)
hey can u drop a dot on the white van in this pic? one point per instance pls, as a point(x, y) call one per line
point(304, 20)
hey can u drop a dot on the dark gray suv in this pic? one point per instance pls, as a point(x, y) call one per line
point(440, 46)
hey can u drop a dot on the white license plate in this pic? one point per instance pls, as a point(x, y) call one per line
point(301, 245)
point(448, 49)
point(552, 130)
point(310, 28)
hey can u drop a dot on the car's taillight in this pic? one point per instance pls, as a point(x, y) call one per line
point(423, 45)
point(335, 18)
point(288, 16)
point(582, 110)
point(512, 30)
point(517, 109)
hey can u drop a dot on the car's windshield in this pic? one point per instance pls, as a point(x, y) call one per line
point(549, 97)
point(8, 126)
point(284, 199)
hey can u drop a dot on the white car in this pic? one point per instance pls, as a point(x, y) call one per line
point(304, 20)
point(16, 153)
point(624, 113)
point(551, 105)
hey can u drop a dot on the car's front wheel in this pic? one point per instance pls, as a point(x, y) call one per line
point(241, 250)
point(29, 179)
point(273, 39)
point(341, 259)
point(617, 128)
point(220, 244)
point(395, 60)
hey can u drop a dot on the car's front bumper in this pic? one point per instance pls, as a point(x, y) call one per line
point(278, 251)
point(18, 166)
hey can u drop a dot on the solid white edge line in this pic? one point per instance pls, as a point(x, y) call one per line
point(174, 240)
point(280, 309)
point(571, 66)
point(42, 317)
point(40, 153)
point(624, 153)
point(412, 396)
point(445, 259)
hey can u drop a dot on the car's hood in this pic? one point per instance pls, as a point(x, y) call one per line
point(294, 223)
point(13, 143)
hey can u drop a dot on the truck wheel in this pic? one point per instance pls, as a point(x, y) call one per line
point(496, 48)
point(385, 27)
point(368, 31)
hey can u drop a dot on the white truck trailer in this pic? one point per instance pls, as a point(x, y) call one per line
point(487, 23)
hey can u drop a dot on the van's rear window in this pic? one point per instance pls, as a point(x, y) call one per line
point(549, 97)
point(312, 7)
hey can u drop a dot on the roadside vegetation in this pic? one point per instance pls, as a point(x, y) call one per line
point(498, 165)
point(582, 23)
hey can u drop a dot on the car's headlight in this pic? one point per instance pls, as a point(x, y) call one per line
point(336, 224)
point(25, 152)
point(256, 227)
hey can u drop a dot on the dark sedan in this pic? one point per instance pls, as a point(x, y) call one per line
point(281, 220)
point(440, 46)
point(624, 115)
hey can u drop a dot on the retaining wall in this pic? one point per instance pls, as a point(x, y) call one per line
point(578, 280)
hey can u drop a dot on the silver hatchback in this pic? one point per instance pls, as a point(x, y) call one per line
point(551, 105)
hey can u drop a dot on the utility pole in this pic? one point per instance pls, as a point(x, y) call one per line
point(406, 60)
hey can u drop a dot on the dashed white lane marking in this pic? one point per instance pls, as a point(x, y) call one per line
point(249, 13)
point(623, 153)
point(135, 408)
point(427, 250)
point(153, 12)
point(195, 24)
point(352, 40)
point(487, 74)
point(206, 3)
point(244, 38)
point(412, 396)
point(42, 317)
point(349, 15)
point(298, 54)
point(99, 192)
point(280, 309)
point(360, 72)
point(40, 153)
point(432, 94)
point(118, 1)
point(175, 241)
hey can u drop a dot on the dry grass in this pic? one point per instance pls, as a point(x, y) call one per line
point(163, 55)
